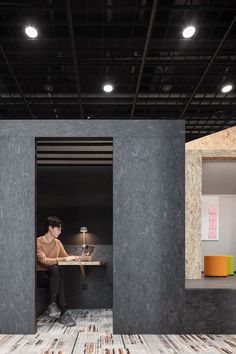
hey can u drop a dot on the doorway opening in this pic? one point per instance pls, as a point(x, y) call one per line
point(74, 181)
point(218, 242)
point(218, 222)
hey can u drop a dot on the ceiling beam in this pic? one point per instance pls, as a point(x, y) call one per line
point(17, 7)
point(208, 67)
point(75, 59)
point(174, 61)
point(16, 82)
point(122, 96)
point(150, 26)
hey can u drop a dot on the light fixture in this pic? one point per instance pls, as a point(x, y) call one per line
point(188, 32)
point(48, 88)
point(31, 32)
point(108, 88)
point(84, 229)
point(226, 88)
point(167, 88)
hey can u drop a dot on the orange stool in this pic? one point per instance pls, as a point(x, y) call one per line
point(216, 266)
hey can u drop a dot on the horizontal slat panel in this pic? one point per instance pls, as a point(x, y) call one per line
point(83, 151)
point(66, 162)
point(74, 143)
point(74, 156)
point(74, 148)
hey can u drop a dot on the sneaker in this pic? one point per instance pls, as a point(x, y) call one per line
point(66, 320)
point(53, 310)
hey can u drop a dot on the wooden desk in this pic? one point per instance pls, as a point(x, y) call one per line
point(82, 265)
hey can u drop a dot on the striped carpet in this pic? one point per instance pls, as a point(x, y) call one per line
point(93, 335)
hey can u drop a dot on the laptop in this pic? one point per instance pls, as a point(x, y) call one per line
point(86, 255)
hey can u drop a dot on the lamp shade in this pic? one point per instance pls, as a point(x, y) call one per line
point(83, 229)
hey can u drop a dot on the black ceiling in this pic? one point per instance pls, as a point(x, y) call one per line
point(137, 45)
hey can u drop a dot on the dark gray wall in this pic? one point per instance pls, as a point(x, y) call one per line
point(17, 230)
point(80, 196)
point(211, 311)
point(148, 220)
point(149, 225)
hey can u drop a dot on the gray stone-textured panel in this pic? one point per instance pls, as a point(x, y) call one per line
point(148, 214)
point(148, 206)
point(93, 128)
point(17, 241)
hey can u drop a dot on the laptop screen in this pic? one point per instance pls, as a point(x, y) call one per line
point(87, 253)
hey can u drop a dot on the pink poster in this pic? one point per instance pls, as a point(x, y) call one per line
point(212, 235)
point(213, 210)
point(212, 223)
point(212, 217)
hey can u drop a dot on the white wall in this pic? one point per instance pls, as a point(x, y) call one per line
point(227, 230)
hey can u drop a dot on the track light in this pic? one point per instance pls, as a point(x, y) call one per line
point(189, 31)
point(31, 32)
point(226, 88)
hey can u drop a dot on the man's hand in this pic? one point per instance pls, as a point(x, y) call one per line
point(77, 258)
point(72, 258)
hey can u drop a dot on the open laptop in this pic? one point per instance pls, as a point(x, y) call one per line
point(86, 255)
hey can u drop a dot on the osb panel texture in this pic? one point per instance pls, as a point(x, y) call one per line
point(193, 190)
point(221, 145)
point(223, 140)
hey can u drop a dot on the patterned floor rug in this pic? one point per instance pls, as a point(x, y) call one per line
point(93, 335)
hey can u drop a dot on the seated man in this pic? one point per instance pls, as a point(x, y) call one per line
point(50, 251)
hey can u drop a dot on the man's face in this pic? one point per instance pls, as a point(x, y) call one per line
point(55, 231)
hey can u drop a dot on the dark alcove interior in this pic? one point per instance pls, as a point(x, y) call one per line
point(79, 191)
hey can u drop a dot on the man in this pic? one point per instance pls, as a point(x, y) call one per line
point(50, 251)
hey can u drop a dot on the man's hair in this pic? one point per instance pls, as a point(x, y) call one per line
point(53, 221)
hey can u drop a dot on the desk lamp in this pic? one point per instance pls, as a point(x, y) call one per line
point(84, 229)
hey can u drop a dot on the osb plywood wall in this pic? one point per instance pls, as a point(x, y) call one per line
point(220, 145)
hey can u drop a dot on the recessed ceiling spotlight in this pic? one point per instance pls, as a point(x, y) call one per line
point(189, 31)
point(31, 32)
point(226, 88)
point(108, 88)
point(48, 88)
point(167, 88)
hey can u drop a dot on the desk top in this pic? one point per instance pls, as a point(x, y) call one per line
point(76, 263)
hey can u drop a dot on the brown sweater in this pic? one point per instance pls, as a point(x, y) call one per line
point(49, 253)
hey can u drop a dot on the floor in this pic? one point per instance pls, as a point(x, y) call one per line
point(93, 335)
point(212, 282)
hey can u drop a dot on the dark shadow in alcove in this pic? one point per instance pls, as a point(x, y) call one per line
point(74, 182)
